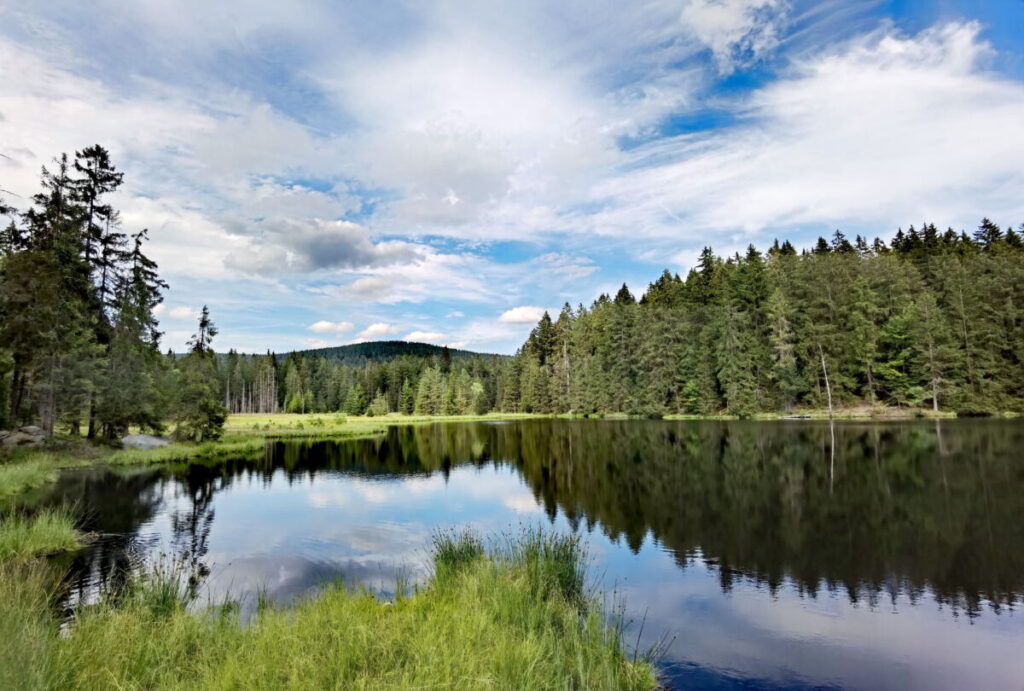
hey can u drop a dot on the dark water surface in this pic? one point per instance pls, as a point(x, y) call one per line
point(769, 556)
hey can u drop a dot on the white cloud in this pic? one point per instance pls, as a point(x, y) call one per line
point(464, 123)
point(183, 313)
point(283, 245)
point(454, 315)
point(424, 337)
point(324, 327)
point(377, 330)
point(736, 31)
point(884, 130)
point(526, 314)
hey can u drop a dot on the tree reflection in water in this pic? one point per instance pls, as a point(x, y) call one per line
point(888, 509)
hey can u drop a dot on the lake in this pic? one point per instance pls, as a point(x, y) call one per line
point(759, 554)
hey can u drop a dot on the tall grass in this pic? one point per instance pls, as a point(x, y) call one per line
point(17, 475)
point(23, 536)
point(230, 447)
point(28, 633)
point(511, 618)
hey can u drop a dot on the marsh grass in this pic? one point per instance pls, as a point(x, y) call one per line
point(23, 536)
point(28, 633)
point(19, 474)
point(512, 617)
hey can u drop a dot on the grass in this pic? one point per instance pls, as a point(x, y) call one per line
point(24, 536)
point(27, 630)
point(514, 617)
point(18, 475)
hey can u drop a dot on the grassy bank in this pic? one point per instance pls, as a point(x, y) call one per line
point(516, 617)
point(27, 472)
point(23, 536)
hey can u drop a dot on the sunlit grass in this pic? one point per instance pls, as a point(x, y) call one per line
point(23, 536)
point(288, 424)
point(513, 618)
point(26, 472)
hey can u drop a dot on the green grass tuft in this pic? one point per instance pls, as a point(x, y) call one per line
point(453, 552)
point(18, 475)
point(492, 620)
point(24, 536)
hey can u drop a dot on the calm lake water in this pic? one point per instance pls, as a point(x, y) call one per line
point(763, 554)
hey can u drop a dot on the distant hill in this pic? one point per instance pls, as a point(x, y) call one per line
point(358, 354)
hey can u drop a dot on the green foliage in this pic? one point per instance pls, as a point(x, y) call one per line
point(199, 413)
point(378, 406)
point(937, 320)
point(78, 339)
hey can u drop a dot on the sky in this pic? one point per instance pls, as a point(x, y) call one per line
point(321, 173)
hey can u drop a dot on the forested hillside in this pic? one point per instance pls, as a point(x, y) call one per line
point(442, 382)
point(359, 354)
point(932, 319)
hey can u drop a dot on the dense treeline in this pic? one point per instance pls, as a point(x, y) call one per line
point(933, 319)
point(79, 342)
point(441, 384)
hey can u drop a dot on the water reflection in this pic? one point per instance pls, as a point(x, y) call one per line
point(772, 552)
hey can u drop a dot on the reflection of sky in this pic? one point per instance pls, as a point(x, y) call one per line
point(288, 537)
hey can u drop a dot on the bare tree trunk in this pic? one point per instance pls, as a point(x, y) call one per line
point(828, 387)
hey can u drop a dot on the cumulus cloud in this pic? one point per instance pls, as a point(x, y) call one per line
point(329, 327)
point(526, 314)
point(284, 245)
point(424, 337)
point(377, 330)
point(183, 312)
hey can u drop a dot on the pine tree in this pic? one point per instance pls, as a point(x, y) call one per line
point(200, 414)
point(407, 399)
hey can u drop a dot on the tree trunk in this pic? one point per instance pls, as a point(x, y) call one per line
point(828, 387)
point(91, 433)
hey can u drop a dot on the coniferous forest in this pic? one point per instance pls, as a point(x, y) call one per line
point(931, 319)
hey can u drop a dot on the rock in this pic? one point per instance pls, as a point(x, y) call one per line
point(143, 441)
point(26, 436)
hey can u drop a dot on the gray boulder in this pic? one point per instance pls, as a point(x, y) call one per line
point(143, 441)
point(26, 436)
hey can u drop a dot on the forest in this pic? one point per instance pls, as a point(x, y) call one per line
point(931, 319)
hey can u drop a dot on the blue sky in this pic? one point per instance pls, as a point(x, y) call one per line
point(322, 173)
